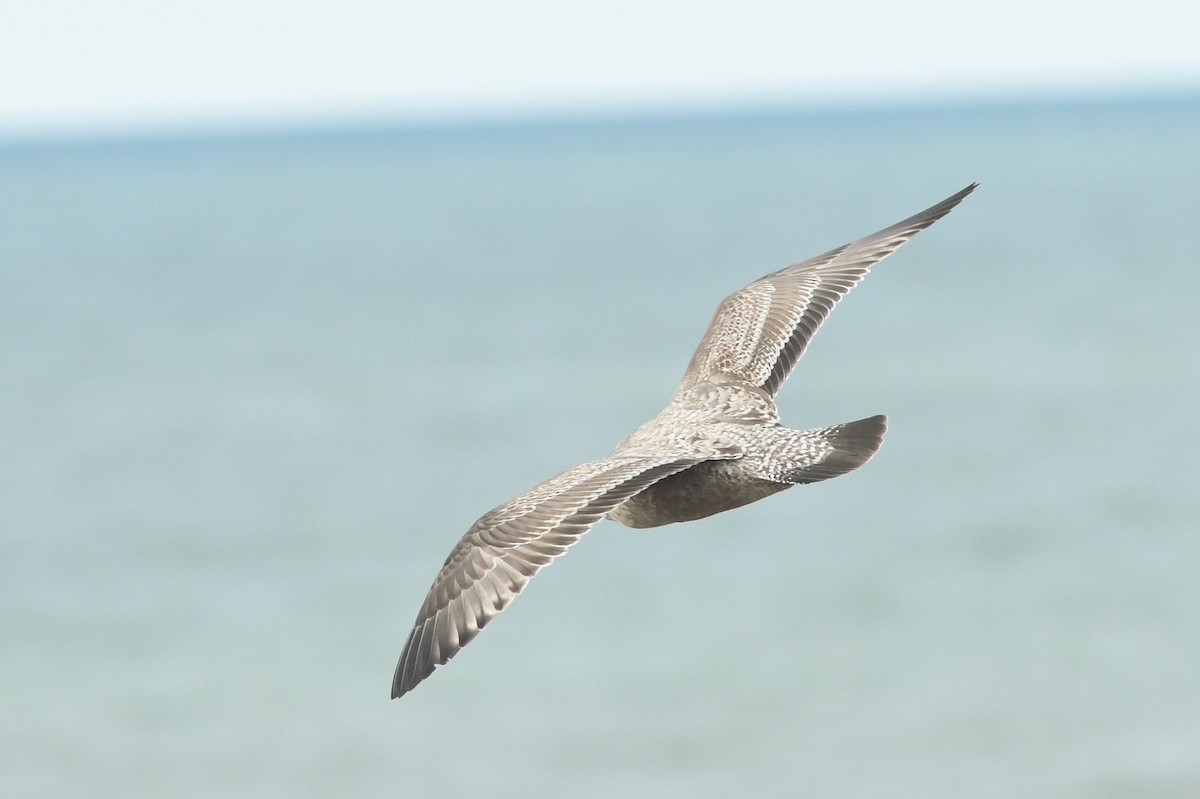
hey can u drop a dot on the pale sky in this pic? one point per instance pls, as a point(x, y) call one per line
point(81, 66)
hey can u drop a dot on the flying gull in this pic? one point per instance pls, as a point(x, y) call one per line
point(717, 445)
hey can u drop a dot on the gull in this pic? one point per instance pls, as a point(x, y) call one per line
point(717, 445)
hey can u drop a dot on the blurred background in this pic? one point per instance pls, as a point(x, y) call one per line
point(290, 294)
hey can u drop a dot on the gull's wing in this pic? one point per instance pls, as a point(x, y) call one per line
point(758, 333)
point(505, 548)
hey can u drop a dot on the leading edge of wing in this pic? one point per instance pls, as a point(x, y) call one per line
point(502, 551)
point(759, 332)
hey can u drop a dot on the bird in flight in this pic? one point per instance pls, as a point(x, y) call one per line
point(717, 445)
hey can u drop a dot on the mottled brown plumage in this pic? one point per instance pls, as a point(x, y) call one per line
point(717, 445)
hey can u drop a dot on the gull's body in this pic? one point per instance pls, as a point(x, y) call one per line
point(717, 445)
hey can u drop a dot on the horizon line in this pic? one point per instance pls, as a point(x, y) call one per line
point(303, 126)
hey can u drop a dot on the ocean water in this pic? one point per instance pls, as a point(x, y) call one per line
point(255, 388)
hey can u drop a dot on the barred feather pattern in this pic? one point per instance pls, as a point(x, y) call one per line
point(716, 446)
point(759, 333)
point(509, 545)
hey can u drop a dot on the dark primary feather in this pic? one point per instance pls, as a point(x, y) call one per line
point(758, 333)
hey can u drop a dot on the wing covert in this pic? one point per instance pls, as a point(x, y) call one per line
point(759, 333)
point(505, 548)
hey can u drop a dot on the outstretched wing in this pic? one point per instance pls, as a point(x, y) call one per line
point(758, 333)
point(505, 548)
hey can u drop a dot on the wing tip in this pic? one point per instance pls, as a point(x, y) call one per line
point(401, 683)
point(961, 194)
point(407, 678)
point(925, 218)
point(416, 661)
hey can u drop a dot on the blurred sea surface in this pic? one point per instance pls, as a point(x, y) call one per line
point(254, 388)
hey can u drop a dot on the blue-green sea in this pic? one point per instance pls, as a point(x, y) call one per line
point(254, 387)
